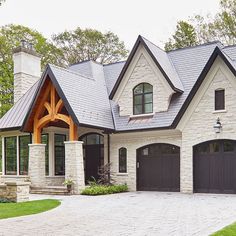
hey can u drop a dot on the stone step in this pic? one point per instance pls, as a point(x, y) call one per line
point(49, 190)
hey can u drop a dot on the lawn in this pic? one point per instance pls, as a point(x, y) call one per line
point(227, 231)
point(8, 210)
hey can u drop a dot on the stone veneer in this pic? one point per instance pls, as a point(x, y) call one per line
point(37, 165)
point(143, 72)
point(74, 164)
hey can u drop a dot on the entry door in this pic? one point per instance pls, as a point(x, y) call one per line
point(92, 162)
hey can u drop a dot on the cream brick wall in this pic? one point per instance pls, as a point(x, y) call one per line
point(143, 70)
point(198, 121)
point(132, 142)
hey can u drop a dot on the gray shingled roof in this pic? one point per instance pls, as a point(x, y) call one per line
point(87, 86)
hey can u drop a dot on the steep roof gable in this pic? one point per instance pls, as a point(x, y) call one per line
point(160, 58)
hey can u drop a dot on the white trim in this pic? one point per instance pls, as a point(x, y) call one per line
point(142, 115)
point(219, 111)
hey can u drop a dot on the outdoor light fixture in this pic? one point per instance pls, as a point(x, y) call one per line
point(217, 126)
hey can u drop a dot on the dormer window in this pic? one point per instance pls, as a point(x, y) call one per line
point(219, 99)
point(143, 99)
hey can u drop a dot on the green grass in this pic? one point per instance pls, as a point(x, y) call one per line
point(104, 189)
point(8, 210)
point(227, 231)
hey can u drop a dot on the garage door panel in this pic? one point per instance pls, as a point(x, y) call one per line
point(214, 167)
point(159, 169)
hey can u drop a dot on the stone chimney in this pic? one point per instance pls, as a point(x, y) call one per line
point(27, 69)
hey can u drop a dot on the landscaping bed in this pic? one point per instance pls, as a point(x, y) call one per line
point(104, 189)
point(229, 230)
point(8, 210)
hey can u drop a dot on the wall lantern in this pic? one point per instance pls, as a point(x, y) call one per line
point(217, 126)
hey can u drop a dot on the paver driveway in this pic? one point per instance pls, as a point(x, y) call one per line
point(137, 213)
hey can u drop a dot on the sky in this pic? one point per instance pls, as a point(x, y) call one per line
point(153, 19)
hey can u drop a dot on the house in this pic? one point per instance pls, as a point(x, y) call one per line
point(164, 120)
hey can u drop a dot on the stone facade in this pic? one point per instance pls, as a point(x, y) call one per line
point(132, 142)
point(144, 71)
point(37, 165)
point(16, 192)
point(74, 164)
point(198, 121)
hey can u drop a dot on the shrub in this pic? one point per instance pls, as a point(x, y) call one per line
point(4, 200)
point(104, 189)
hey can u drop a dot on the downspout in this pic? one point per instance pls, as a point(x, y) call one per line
point(108, 156)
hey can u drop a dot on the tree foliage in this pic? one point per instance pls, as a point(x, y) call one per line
point(89, 44)
point(221, 26)
point(1, 1)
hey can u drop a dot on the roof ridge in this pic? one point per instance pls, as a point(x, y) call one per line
point(72, 72)
point(229, 46)
point(114, 63)
point(199, 45)
point(152, 43)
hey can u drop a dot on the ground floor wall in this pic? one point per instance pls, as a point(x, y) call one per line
point(133, 141)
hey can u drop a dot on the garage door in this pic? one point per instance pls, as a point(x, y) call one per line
point(158, 168)
point(214, 165)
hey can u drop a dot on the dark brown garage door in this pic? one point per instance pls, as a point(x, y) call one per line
point(158, 168)
point(214, 167)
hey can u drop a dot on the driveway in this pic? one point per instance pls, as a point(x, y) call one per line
point(135, 213)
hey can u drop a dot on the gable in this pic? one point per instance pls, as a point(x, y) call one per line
point(201, 109)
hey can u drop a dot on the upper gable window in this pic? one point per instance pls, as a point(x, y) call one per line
point(143, 99)
point(219, 99)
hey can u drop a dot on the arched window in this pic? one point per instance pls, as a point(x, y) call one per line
point(122, 160)
point(143, 99)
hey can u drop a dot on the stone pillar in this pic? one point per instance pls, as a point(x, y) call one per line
point(37, 165)
point(17, 192)
point(74, 164)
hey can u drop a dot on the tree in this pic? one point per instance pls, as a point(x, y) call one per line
point(1, 1)
point(89, 44)
point(10, 37)
point(221, 26)
point(184, 36)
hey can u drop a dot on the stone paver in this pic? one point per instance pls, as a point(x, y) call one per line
point(135, 213)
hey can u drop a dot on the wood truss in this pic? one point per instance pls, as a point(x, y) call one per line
point(49, 109)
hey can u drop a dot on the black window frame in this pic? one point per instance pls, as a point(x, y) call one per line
point(46, 153)
point(122, 169)
point(142, 99)
point(219, 99)
point(5, 156)
point(55, 154)
point(19, 150)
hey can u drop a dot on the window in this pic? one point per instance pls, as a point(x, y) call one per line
point(142, 99)
point(219, 99)
point(122, 160)
point(59, 146)
point(24, 153)
point(44, 138)
point(11, 155)
point(92, 139)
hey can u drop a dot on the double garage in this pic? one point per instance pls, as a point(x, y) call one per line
point(214, 164)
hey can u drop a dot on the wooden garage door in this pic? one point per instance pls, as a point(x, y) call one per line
point(158, 168)
point(214, 165)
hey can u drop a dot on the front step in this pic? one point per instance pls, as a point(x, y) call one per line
point(49, 190)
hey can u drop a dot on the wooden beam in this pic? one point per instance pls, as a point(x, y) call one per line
point(59, 106)
point(73, 136)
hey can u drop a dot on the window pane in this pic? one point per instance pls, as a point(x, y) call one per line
point(44, 138)
point(148, 108)
point(148, 98)
point(93, 139)
point(24, 142)
point(138, 89)
point(59, 140)
point(147, 88)
point(138, 109)
point(220, 99)
point(10, 156)
point(228, 146)
point(214, 147)
point(122, 160)
point(138, 99)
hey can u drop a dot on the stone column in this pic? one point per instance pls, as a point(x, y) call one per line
point(37, 165)
point(74, 164)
